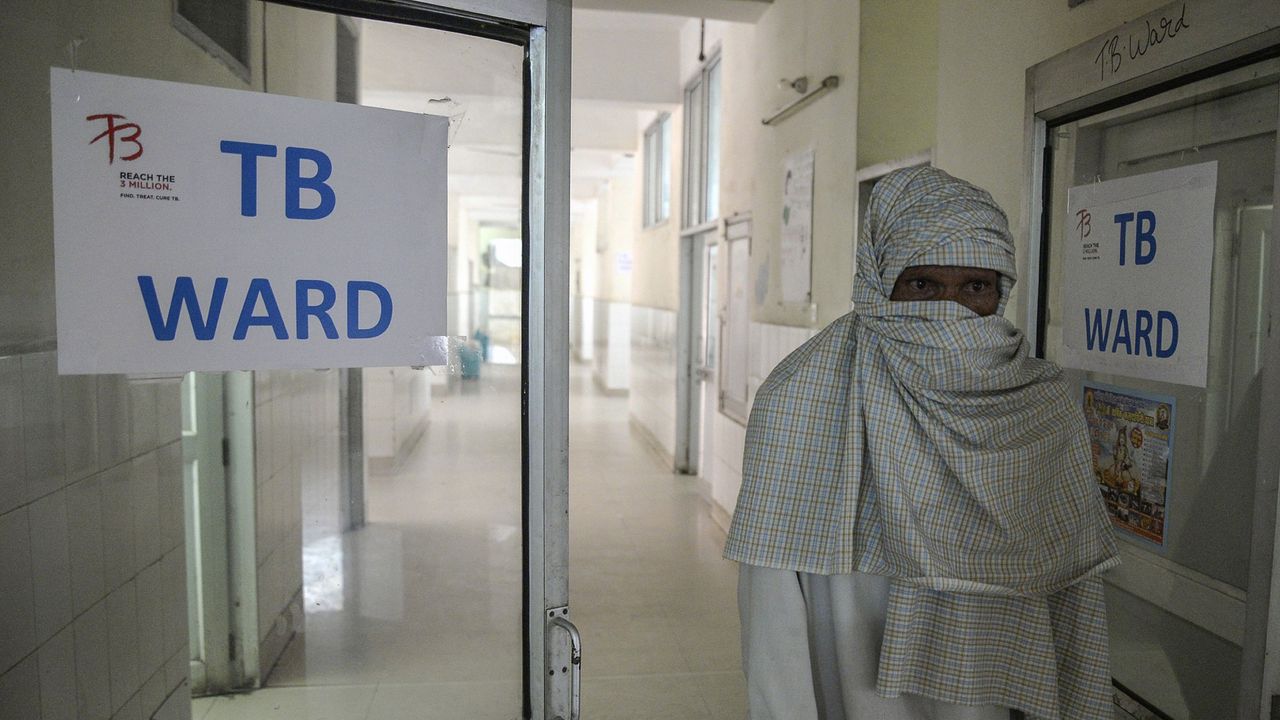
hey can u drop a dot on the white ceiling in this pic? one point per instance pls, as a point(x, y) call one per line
point(626, 69)
point(735, 10)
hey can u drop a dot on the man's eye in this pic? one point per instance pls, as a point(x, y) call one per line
point(918, 284)
point(978, 286)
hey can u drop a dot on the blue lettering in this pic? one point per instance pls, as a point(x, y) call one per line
point(184, 294)
point(1095, 333)
point(354, 288)
point(306, 310)
point(1145, 237)
point(1166, 349)
point(1123, 220)
point(1142, 332)
point(249, 154)
point(260, 288)
point(1122, 333)
point(294, 183)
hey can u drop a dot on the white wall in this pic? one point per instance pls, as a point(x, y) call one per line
point(93, 620)
point(982, 66)
point(397, 407)
point(608, 245)
point(296, 430)
point(652, 401)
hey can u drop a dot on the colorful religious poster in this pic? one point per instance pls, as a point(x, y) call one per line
point(1131, 436)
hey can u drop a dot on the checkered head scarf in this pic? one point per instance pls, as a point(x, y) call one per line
point(976, 452)
point(919, 440)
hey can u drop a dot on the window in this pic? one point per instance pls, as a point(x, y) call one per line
point(218, 26)
point(657, 171)
point(702, 146)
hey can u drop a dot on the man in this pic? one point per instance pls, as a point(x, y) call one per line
point(919, 527)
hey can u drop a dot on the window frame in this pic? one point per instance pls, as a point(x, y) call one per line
point(697, 142)
point(657, 171)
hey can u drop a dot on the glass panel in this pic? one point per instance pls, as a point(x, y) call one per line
point(711, 176)
point(422, 602)
point(1231, 120)
point(664, 171)
point(650, 177)
point(693, 155)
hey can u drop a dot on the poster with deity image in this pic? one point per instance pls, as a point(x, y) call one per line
point(1131, 439)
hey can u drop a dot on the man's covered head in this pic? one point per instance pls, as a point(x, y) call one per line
point(930, 236)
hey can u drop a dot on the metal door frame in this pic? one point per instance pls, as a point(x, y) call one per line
point(688, 365)
point(1073, 84)
point(543, 28)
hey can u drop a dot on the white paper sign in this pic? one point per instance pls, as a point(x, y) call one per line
point(198, 228)
point(1138, 262)
point(797, 227)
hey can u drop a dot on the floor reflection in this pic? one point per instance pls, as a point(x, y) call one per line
point(417, 615)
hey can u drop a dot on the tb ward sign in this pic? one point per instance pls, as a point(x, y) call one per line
point(199, 228)
point(1138, 258)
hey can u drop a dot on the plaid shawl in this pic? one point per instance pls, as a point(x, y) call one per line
point(919, 441)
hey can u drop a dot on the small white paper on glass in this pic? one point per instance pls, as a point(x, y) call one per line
point(200, 228)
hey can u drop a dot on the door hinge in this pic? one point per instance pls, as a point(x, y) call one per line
point(226, 452)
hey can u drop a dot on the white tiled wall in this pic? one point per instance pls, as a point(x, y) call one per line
point(653, 373)
point(296, 441)
point(92, 564)
point(397, 406)
point(768, 345)
point(612, 335)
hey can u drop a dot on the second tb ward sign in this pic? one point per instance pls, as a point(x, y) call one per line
point(1138, 258)
point(198, 228)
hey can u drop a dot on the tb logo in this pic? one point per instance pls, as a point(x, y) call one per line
point(123, 132)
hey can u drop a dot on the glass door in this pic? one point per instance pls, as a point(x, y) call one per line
point(442, 592)
point(1177, 606)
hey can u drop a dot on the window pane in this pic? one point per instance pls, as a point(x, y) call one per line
point(649, 203)
point(711, 177)
point(693, 155)
point(664, 170)
point(1207, 521)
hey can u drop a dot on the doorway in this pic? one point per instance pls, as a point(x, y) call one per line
point(504, 71)
point(1180, 602)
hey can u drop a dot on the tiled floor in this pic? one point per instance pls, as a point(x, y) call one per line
point(417, 614)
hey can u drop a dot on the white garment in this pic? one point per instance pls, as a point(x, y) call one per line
point(811, 649)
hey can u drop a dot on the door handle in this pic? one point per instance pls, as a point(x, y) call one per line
point(575, 664)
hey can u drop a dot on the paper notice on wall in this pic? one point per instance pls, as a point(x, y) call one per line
point(1137, 264)
point(797, 227)
point(1131, 438)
